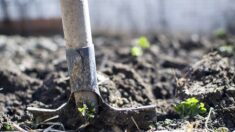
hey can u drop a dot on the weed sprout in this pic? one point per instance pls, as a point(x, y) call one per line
point(87, 111)
point(190, 108)
point(220, 33)
point(136, 51)
point(143, 42)
point(140, 44)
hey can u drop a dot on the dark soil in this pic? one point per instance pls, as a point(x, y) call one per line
point(212, 81)
point(33, 72)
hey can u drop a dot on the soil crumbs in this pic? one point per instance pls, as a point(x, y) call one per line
point(33, 72)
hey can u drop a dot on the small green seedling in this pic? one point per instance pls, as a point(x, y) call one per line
point(136, 51)
point(87, 111)
point(7, 127)
point(143, 42)
point(220, 33)
point(228, 49)
point(190, 108)
point(140, 44)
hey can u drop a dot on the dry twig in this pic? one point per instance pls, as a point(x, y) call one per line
point(207, 120)
point(135, 123)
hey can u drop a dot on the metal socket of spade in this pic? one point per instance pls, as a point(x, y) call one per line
point(83, 80)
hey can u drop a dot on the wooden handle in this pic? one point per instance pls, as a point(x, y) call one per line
point(76, 23)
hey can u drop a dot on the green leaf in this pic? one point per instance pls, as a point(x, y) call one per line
point(192, 100)
point(202, 105)
point(7, 127)
point(220, 33)
point(136, 51)
point(87, 111)
point(190, 108)
point(226, 49)
point(83, 109)
point(203, 110)
point(91, 116)
point(143, 42)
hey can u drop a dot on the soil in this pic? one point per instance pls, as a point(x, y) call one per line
point(33, 72)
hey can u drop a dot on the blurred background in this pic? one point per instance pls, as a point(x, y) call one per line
point(112, 17)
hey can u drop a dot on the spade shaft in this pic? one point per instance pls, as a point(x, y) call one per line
point(80, 50)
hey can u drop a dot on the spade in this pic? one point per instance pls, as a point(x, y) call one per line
point(80, 55)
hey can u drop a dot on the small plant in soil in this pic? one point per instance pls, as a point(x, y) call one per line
point(87, 111)
point(136, 51)
point(7, 127)
point(190, 108)
point(140, 44)
point(227, 50)
point(220, 33)
point(143, 42)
